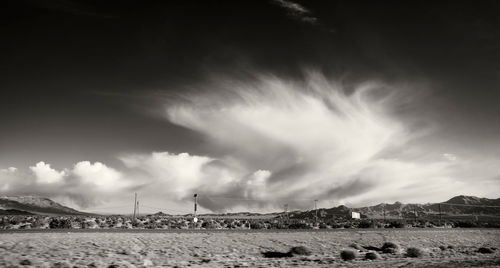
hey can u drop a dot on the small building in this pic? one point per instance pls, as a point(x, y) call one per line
point(355, 215)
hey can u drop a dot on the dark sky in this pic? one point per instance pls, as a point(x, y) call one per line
point(87, 80)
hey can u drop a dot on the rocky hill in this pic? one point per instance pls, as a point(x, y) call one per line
point(35, 205)
point(458, 205)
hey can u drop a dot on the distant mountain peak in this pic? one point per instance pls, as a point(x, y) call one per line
point(36, 204)
point(465, 199)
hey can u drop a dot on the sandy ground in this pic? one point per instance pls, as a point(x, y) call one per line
point(244, 249)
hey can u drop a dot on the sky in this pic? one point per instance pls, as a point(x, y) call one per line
point(250, 104)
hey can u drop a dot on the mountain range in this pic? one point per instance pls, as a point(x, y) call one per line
point(458, 205)
point(26, 205)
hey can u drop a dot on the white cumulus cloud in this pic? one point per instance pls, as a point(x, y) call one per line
point(45, 174)
point(104, 177)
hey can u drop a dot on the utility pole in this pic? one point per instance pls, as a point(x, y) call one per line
point(195, 204)
point(135, 205)
point(195, 220)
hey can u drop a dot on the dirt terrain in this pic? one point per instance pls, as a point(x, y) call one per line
point(459, 248)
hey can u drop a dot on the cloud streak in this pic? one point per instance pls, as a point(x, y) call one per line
point(297, 11)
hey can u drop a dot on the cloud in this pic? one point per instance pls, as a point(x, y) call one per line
point(8, 170)
point(105, 178)
point(84, 184)
point(297, 11)
point(179, 176)
point(315, 140)
point(271, 141)
point(450, 157)
point(45, 174)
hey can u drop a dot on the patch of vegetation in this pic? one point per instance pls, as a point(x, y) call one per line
point(60, 223)
point(391, 248)
point(299, 225)
point(372, 256)
point(366, 224)
point(300, 250)
point(484, 250)
point(414, 252)
point(25, 262)
point(396, 224)
point(466, 224)
point(257, 225)
point(276, 254)
point(348, 254)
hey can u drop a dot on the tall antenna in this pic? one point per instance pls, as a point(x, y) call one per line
point(138, 214)
point(195, 204)
point(135, 205)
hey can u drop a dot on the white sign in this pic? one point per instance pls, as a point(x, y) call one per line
point(195, 219)
point(355, 215)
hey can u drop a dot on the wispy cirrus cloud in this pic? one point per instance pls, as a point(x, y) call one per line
point(297, 11)
point(317, 141)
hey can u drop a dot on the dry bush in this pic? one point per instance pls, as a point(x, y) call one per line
point(414, 252)
point(348, 254)
point(372, 256)
point(484, 250)
point(391, 247)
point(300, 250)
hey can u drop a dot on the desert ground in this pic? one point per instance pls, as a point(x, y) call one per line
point(442, 248)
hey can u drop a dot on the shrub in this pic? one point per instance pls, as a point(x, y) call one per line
point(366, 224)
point(390, 247)
point(348, 225)
point(336, 225)
point(257, 225)
point(466, 224)
point(372, 256)
point(414, 252)
point(299, 225)
point(396, 224)
point(60, 224)
point(484, 250)
point(442, 247)
point(276, 254)
point(300, 250)
point(348, 254)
